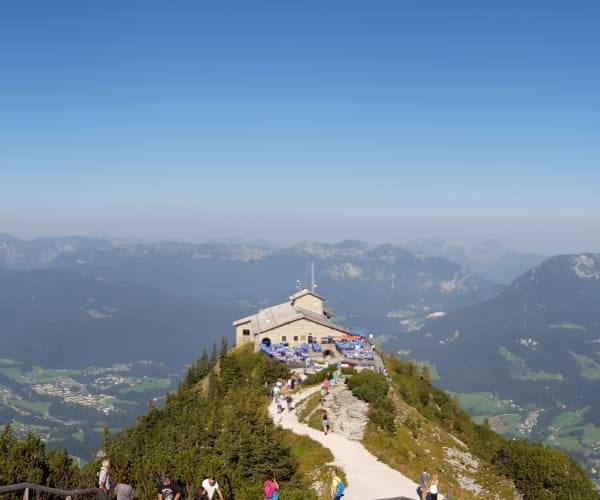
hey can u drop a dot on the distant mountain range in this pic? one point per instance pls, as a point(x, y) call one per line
point(77, 301)
point(354, 275)
point(133, 293)
point(489, 259)
point(81, 288)
point(41, 252)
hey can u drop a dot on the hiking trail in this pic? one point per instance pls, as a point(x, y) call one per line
point(367, 478)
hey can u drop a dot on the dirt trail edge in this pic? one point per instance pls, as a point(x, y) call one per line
point(367, 478)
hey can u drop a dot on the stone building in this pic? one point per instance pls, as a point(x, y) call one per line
point(301, 320)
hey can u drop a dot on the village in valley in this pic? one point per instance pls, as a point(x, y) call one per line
point(71, 407)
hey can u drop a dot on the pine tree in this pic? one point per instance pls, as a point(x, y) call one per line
point(224, 347)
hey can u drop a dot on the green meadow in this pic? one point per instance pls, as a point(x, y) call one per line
point(590, 370)
point(148, 384)
point(35, 407)
point(567, 326)
point(520, 371)
point(480, 403)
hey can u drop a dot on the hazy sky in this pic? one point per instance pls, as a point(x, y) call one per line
point(295, 120)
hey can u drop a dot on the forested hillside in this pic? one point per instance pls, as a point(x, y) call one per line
point(217, 423)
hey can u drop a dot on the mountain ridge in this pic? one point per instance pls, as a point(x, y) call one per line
point(537, 343)
point(489, 258)
point(62, 318)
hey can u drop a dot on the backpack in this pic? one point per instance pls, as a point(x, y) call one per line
point(269, 489)
point(339, 492)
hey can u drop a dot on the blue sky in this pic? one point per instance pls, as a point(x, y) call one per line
point(315, 120)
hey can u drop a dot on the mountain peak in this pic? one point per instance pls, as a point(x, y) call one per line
point(586, 266)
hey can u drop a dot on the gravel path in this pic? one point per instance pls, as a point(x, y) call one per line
point(368, 478)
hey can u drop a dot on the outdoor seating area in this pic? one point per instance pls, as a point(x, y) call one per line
point(354, 349)
point(283, 352)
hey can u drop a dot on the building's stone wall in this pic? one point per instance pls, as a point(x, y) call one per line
point(240, 338)
point(295, 333)
point(310, 302)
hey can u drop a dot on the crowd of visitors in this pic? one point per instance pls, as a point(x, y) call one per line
point(283, 392)
point(167, 488)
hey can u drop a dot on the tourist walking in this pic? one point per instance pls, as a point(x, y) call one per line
point(271, 488)
point(123, 489)
point(104, 480)
point(322, 394)
point(337, 487)
point(168, 490)
point(433, 487)
point(421, 490)
point(325, 421)
point(201, 494)
point(212, 487)
point(278, 403)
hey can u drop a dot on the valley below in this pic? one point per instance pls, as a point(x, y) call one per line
point(523, 356)
point(570, 429)
point(71, 408)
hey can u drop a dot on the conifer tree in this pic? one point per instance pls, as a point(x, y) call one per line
point(62, 472)
point(224, 347)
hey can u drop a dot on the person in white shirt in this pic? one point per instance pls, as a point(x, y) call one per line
point(211, 487)
point(433, 488)
point(104, 480)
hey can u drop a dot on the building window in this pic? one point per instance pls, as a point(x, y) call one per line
point(295, 338)
point(284, 338)
point(245, 332)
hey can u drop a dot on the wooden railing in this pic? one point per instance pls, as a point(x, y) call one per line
point(27, 487)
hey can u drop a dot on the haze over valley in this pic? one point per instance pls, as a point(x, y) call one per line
point(429, 169)
point(499, 347)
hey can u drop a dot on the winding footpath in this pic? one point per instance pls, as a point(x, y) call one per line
point(367, 477)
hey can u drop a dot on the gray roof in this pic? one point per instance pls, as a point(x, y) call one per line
point(282, 314)
point(303, 292)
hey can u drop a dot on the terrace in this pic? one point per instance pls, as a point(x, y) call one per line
point(354, 348)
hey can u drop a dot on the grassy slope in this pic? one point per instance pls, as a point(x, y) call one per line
point(418, 443)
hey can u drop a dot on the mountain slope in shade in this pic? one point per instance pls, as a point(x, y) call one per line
point(546, 318)
point(538, 344)
point(62, 318)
